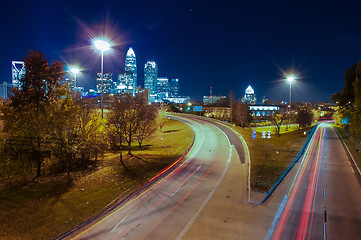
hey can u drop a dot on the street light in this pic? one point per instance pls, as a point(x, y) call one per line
point(103, 46)
point(75, 70)
point(290, 79)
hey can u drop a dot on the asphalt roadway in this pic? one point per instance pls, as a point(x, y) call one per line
point(167, 208)
point(205, 195)
point(322, 196)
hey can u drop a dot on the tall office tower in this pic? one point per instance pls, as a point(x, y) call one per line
point(122, 83)
point(18, 72)
point(162, 88)
point(174, 88)
point(150, 77)
point(131, 71)
point(108, 84)
point(6, 89)
point(249, 96)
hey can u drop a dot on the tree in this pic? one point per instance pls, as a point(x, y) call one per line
point(162, 116)
point(349, 99)
point(240, 113)
point(126, 117)
point(277, 120)
point(231, 104)
point(147, 123)
point(26, 115)
point(304, 116)
point(116, 123)
point(77, 133)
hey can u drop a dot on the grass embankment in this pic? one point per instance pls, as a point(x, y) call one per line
point(351, 143)
point(269, 162)
point(49, 207)
point(283, 129)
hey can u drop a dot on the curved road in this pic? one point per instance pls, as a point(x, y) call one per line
point(167, 208)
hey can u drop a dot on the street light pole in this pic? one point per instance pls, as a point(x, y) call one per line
point(75, 71)
point(102, 46)
point(290, 79)
point(101, 75)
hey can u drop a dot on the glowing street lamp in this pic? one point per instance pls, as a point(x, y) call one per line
point(75, 71)
point(290, 79)
point(103, 46)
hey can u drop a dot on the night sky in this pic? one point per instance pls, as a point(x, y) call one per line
point(225, 44)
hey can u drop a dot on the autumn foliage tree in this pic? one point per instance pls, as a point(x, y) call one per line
point(349, 99)
point(277, 120)
point(304, 116)
point(43, 126)
point(26, 115)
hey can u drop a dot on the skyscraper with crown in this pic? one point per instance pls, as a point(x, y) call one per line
point(131, 72)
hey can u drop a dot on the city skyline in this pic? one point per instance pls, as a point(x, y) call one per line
point(228, 46)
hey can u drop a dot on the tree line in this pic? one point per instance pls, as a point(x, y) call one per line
point(240, 115)
point(348, 100)
point(44, 130)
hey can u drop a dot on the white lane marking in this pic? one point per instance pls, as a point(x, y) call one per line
point(352, 169)
point(184, 183)
point(116, 226)
point(186, 228)
point(324, 193)
point(175, 192)
point(324, 230)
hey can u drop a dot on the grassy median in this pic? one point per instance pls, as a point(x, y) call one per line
point(49, 207)
point(270, 158)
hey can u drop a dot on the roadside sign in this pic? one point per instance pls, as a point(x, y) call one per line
point(263, 134)
point(268, 134)
point(253, 134)
point(197, 108)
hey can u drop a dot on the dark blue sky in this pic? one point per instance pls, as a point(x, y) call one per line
point(224, 44)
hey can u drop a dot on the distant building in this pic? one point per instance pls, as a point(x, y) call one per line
point(263, 111)
point(180, 100)
point(6, 89)
point(18, 72)
point(162, 88)
point(249, 96)
point(174, 88)
point(222, 113)
point(131, 72)
point(214, 99)
point(150, 77)
point(108, 84)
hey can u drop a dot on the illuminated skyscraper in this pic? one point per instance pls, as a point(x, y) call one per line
point(18, 72)
point(162, 88)
point(131, 72)
point(150, 77)
point(6, 90)
point(174, 88)
point(108, 84)
point(249, 96)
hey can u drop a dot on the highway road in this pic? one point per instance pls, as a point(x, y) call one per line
point(167, 208)
point(323, 198)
